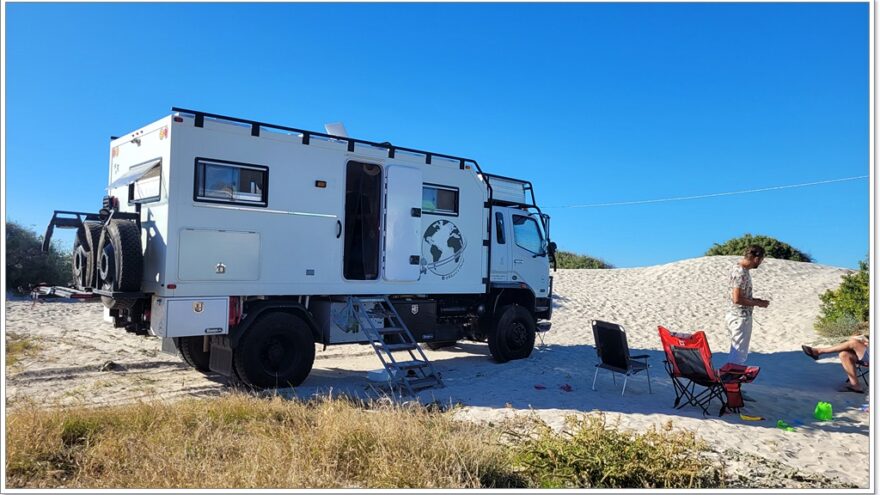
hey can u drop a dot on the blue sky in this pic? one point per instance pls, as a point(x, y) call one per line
point(594, 103)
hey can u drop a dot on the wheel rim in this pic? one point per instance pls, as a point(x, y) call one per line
point(107, 269)
point(517, 335)
point(277, 354)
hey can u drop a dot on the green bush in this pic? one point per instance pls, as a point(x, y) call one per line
point(567, 259)
point(27, 265)
point(774, 248)
point(845, 310)
point(590, 454)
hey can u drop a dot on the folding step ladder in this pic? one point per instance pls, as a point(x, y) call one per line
point(415, 372)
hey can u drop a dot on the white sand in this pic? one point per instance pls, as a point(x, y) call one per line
point(683, 296)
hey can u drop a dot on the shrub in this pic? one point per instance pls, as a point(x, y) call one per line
point(27, 265)
point(774, 248)
point(589, 454)
point(567, 259)
point(845, 310)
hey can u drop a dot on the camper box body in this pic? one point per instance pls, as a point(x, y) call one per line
point(228, 209)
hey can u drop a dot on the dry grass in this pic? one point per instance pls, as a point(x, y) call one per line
point(247, 442)
point(19, 347)
point(244, 441)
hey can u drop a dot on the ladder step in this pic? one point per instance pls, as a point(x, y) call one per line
point(389, 330)
point(428, 381)
point(401, 347)
point(404, 365)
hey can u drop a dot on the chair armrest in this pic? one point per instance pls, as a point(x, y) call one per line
point(640, 356)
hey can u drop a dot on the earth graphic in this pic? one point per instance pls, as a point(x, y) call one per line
point(442, 246)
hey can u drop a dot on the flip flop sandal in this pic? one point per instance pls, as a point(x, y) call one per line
point(849, 388)
point(809, 352)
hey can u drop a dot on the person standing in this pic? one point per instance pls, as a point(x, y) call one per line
point(741, 303)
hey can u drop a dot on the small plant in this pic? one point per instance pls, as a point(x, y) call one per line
point(567, 259)
point(590, 454)
point(18, 347)
point(845, 311)
point(774, 248)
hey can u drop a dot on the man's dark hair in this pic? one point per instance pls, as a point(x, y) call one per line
point(754, 251)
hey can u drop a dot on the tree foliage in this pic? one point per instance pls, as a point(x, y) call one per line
point(27, 265)
point(846, 309)
point(567, 259)
point(774, 248)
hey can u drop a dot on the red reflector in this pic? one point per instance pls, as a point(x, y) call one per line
point(172, 286)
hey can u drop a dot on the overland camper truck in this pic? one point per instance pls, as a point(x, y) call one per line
point(243, 244)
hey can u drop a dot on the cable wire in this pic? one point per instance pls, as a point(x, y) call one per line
point(713, 195)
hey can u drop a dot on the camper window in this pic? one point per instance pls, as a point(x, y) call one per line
point(219, 181)
point(527, 235)
point(439, 200)
point(147, 188)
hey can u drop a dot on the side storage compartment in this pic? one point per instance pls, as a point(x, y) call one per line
point(189, 316)
point(420, 316)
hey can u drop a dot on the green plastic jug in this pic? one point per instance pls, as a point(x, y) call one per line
point(823, 411)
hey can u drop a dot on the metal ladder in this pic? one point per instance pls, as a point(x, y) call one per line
point(415, 372)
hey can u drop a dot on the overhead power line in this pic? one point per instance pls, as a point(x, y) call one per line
point(712, 195)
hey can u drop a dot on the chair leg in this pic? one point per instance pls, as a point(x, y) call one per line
point(595, 375)
point(625, 378)
point(649, 380)
point(613, 379)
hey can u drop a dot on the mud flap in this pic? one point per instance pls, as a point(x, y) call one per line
point(221, 356)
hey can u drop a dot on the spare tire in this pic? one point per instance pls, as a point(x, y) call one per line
point(85, 248)
point(120, 261)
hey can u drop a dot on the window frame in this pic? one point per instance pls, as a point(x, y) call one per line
point(543, 251)
point(201, 161)
point(443, 213)
point(148, 199)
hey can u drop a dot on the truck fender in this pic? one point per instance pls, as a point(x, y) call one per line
point(259, 308)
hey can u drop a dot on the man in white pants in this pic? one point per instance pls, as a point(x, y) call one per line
point(741, 303)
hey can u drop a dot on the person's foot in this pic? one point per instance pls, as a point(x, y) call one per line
point(809, 351)
point(746, 397)
point(848, 387)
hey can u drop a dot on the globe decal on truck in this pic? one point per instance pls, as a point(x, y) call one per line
point(442, 249)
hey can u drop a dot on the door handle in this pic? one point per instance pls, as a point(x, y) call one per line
point(517, 261)
point(338, 229)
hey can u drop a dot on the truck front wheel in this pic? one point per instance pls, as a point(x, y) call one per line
point(278, 350)
point(513, 336)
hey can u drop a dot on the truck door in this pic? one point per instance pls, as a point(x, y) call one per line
point(501, 265)
point(528, 252)
point(403, 222)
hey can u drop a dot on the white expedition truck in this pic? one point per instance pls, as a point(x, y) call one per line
point(243, 244)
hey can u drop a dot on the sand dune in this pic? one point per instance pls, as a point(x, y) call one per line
point(683, 296)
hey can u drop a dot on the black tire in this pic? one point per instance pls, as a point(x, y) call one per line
point(120, 261)
point(513, 336)
point(193, 353)
point(85, 247)
point(441, 344)
point(278, 350)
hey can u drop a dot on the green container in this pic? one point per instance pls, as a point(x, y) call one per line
point(823, 411)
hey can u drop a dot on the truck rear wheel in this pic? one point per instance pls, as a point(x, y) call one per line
point(513, 336)
point(85, 248)
point(120, 261)
point(193, 352)
point(278, 350)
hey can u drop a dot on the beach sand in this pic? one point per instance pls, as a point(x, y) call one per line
point(683, 296)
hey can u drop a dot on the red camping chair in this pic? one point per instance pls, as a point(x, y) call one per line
point(689, 364)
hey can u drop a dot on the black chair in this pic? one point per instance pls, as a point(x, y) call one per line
point(862, 370)
point(614, 355)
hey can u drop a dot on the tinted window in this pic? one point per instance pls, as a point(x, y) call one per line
point(526, 234)
point(499, 227)
point(439, 200)
point(231, 183)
